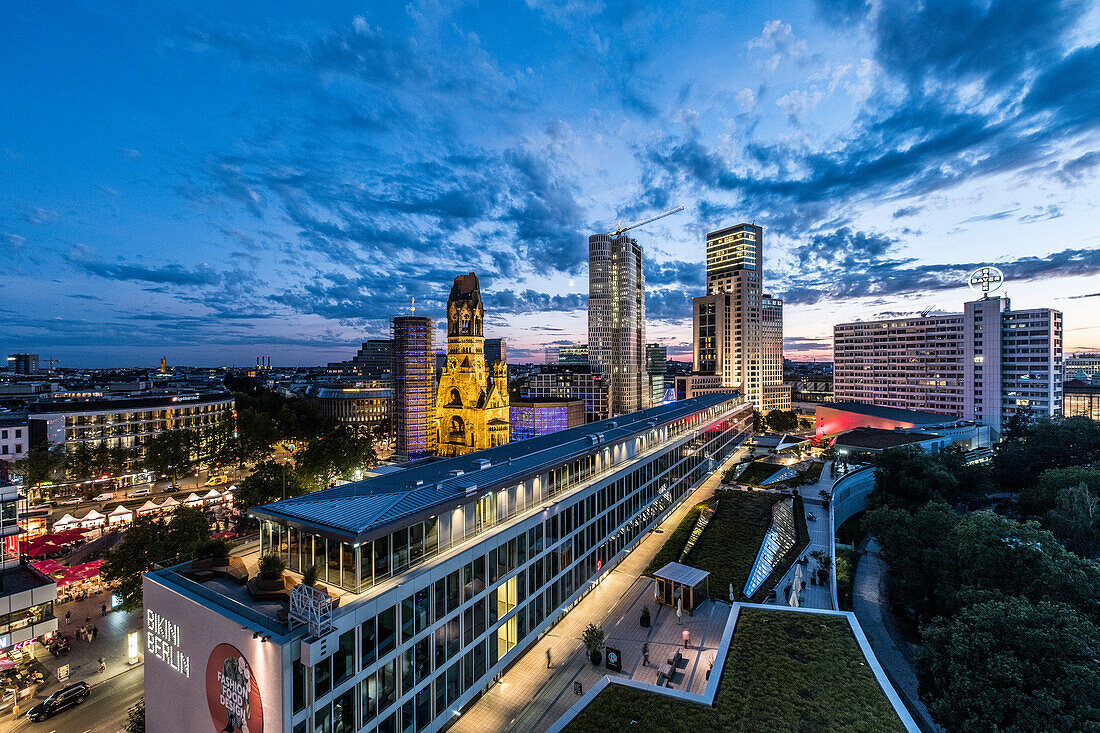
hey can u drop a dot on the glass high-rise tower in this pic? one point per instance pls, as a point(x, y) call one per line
point(616, 319)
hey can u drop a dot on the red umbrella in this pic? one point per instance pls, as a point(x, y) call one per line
point(47, 549)
point(49, 566)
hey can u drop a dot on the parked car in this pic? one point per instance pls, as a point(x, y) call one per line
point(105, 496)
point(63, 699)
point(141, 492)
point(216, 480)
point(74, 500)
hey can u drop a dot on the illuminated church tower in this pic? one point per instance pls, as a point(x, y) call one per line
point(472, 402)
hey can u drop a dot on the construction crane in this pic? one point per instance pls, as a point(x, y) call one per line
point(620, 228)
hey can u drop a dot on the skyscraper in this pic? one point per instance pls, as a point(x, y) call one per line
point(413, 387)
point(616, 319)
point(738, 330)
point(472, 402)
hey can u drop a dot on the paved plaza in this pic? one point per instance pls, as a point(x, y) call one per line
point(530, 696)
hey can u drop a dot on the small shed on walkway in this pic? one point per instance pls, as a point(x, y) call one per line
point(676, 581)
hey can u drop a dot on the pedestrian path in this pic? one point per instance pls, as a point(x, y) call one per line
point(530, 696)
point(893, 652)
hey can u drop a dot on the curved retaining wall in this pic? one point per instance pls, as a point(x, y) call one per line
point(849, 497)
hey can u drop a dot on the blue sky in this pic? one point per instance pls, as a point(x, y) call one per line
point(212, 181)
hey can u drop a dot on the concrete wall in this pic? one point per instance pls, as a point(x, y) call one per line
point(176, 661)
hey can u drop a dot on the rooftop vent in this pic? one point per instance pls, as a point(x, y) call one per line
point(593, 439)
point(482, 463)
point(456, 472)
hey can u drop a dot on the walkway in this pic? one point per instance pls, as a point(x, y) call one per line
point(894, 653)
point(812, 596)
point(530, 697)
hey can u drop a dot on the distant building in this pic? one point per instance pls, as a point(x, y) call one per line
point(414, 423)
point(374, 358)
point(616, 319)
point(15, 436)
point(472, 401)
point(125, 421)
point(1083, 367)
point(23, 363)
point(496, 350)
point(364, 405)
point(594, 390)
point(567, 355)
point(1081, 399)
point(777, 394)
point(656, 366)
point(532, 418)
point(983, 364)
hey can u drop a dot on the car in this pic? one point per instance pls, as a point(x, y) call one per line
point(141, 492)
point(216, 480)
point(105, 496)
point(63, 699)
point(74, 500)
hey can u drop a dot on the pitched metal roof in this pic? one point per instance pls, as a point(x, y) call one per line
point(683, 574)
point(362, 507)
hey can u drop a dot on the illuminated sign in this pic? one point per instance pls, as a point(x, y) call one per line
point(232, 692)
point(162, 640)
point(986, 280)
point(133, 646)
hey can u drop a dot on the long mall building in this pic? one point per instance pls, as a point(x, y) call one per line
point(443, 572)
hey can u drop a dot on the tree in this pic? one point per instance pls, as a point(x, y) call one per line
point(135, 718)
point(757, 422)
point(782, 421)
point(593, 639)
point(1040, 497)
point(907, 478)
point(1010, 665)
point(336, 453)
point(272, 567)
point(268, 482)
point(149, 542)
point(79, 462)
point(1075, 520)
point(170, 452)
point(42, 463)
point(1018, 462)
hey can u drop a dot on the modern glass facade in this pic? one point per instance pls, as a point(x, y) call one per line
point(443, 611)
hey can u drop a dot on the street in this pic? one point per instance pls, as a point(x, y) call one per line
point(104, 711)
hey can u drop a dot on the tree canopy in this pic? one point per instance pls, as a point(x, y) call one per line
point(1031, 449)
point(782, 421)
point(149, 542)
point(1007, 664)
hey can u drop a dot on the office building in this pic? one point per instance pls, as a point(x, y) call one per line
point(472, 401)
point(594, 390)
point(15, 438)
point(737, 328)
point(984, 364)
point(374, 358)
point(364, 405)
point(496, 350)
point(414, 423)
point(27, 596)
point(23, 363)
point(777, 393)
point(127, 422)
point(443, 575)
point(656, 366)
point(1082, 367)
point(616, 319)
point(1081, 399)
point(532, 417)
point(567, 355)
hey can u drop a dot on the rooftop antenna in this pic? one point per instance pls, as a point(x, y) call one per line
point(412, 308)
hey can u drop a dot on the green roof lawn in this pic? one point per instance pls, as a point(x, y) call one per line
point(785, 671)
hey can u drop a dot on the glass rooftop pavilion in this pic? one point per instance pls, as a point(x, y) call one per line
point(447, 570)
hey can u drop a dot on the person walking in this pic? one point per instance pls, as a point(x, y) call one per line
point(68, 617)
point(548, 658)
point(102, 664)
point(95, 632)
point(103, 609)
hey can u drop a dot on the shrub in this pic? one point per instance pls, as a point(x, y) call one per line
point(309, 575)
point(215, 548)
point(593, 637)
point(272, 567)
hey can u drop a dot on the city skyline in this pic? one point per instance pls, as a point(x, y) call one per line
point(219, 187)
